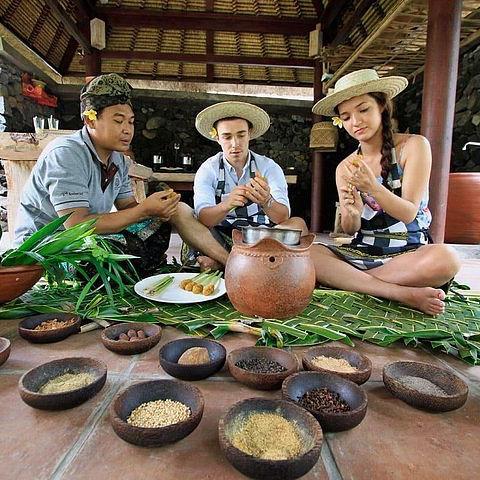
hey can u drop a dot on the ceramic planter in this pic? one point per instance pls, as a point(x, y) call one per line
point(17, 280)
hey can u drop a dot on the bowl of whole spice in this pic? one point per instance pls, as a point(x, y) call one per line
point(63, 383)
point(49, 327)
point(270, 439)
point(4, 350)
point(425, 386)
point(262, 368)
point(192, 358)
point(131, 338)
point(338, 404)
point(153, 413)
point(344, 362)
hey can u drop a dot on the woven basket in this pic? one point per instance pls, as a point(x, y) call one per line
point(324, 137)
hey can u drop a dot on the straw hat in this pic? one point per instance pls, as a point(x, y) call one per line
point(355, 84)
point(255, 115)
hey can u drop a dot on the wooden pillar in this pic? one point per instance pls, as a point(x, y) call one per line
point(317, 190)
point(93, 65)
point(438, 104)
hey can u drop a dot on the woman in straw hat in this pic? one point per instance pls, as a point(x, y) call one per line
point(383, 193)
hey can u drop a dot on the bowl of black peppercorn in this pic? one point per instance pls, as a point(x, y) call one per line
point(262, 368)
point(338, 404)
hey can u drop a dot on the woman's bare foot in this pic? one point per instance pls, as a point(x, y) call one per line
point(208, 263)
point(426, 299)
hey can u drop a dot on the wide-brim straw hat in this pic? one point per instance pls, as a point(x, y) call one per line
point(255, 115)
point(355, 84)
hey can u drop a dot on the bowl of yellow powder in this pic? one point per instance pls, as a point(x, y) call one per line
point(63, 383)
point(270, 439)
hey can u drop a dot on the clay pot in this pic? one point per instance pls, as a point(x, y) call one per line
point(17, 280)
point(269, 279)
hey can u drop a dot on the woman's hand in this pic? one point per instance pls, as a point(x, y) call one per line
point(351, 200)
point(359, 175)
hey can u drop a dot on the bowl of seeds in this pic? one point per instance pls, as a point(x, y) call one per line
point(4, 350)
point(192, 358)
point(49, 327)
point(344, 362)
point(63, 383)
point(338, 404)
point(157, 412)
point(262, 368)
point(425, 386)
point(270, 439)
point(131, 338)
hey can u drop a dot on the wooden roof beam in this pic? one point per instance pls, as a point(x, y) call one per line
point(210, 58)
point(318, 6)
point(68, 56)
point(209, 21)
point(331, 12)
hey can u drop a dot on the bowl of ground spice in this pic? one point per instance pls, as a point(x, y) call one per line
point(262, 368)
point(153, 413)
point(63, 383)
point(338, 404)
point(270, 439)
point(49, 327)
point(4, 350)
point(425, 386)
point(192, 358)
point(131, 338)
point(344, 362)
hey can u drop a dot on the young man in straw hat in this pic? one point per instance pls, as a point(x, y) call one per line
point(383, 193)
point(85, 174)
point(237, 187)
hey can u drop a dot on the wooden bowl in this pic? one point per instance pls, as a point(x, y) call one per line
point(143, 392)
point(16, 281)
point(4, 350)
point(456, 390)
point(31, 381)
point(310, 431)
point(295, 386)
point(27, 325)
point(262, 381)
point(355, 359)
point(111, 334)
point(172, 351)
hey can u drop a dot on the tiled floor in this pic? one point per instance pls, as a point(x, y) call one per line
point(395, 441)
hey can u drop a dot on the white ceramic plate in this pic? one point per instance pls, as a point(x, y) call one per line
point(173, 293)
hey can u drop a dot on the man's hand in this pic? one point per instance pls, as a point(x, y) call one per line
point(236, 198)
point(257, 190)
point(161, 204)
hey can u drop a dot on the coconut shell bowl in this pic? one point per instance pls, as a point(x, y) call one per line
point(297, 385)
point(171, 352)
point(17, 280)
point(450, 391)
point(112, 341)
point(26, 328)
point(4, 350)
point(149, 391)
point(30, 383)
point(355, 359)
point(307, 427)
point(261, 381)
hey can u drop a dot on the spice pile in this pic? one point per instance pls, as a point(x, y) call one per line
point(132, 336)
point(260, 365)
point(323, 399)
point(422, 385)
point(194, 356)
point(268, 436)
point(54, 324)
point(334, 364)
point(158, 413)
point(67, 382)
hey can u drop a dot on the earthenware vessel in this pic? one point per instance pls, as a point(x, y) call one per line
point(308, 428)
point(110, 338)
point(17, 280)
point(456, 390)
point(26, 328)
point(295, 386)
point(269, 279)
point(4, 350)
point(172, 351)
point(143, 392)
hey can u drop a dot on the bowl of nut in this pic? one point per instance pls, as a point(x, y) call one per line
point(131, 338)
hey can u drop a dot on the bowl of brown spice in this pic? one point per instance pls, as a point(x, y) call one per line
point(4, 349)
point(338, 404)
point(270, 439)
point(344, 362)
point(425, 386)
point(62, 384)
point(153, 413)
point(262, 368)
point(131, 338)
point(49, 327)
